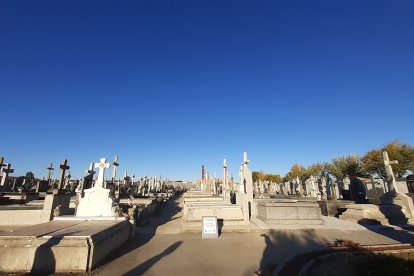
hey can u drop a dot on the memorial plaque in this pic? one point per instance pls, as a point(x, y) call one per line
point(210, 228)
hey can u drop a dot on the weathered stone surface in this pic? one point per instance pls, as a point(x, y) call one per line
point(69, 247)
point(289, 213)
point(96, 202)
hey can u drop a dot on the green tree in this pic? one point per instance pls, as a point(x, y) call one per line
point(373, 161)
point(344, 166)
point(315, 169)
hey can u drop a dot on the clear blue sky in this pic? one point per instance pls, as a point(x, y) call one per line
point(172, 85)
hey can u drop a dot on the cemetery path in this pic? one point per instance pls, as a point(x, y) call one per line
point(160, 249)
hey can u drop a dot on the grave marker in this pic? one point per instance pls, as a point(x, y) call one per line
point(63, 167)
point(6, 171)
point(210, 228)
point(49, 173)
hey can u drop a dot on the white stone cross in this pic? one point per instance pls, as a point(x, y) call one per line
point(392, 184)
point(101, 166)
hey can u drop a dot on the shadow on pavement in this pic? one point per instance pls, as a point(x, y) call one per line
point(145, 233)
point(282, 246)
point(139, 270)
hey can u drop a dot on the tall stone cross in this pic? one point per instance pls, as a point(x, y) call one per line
point(49, 173)
point(101, 166)
point(392, 184)
point(6, 170)
point(225, 175)
point(63, 167)
point(90, 169)
point(115, 164)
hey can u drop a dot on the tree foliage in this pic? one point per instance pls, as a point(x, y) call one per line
point(262, 176)
point(297, 170)
point(373, 161)
point(346, 166)
point(315, 169)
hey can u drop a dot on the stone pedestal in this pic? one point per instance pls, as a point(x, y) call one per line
point(95, 203)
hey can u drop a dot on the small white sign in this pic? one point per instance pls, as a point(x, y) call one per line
point(210, 228)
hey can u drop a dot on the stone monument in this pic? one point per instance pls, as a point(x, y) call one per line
point(96, 201)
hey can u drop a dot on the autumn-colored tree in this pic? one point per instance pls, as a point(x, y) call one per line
point(315, 169)
point(373, 161)
point(262, 176)
point(297, 170)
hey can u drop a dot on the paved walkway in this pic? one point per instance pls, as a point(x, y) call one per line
point(161, 248)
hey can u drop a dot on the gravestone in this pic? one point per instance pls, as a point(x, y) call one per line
point(394, 196)
point(49, 172)
point(115, 164)
point(6, 171)
point(226, 189)
point(63, 167)
point(97, 201)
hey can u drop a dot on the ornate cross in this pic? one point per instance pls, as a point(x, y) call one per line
point(63, 167)
point(49, 173)
point(392, 184)
point(6, 170)
point(101, 166)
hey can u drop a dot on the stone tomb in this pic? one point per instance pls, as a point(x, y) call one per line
point(289, 212)
point(61, 246)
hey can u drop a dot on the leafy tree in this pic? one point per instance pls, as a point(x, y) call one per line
point(273, 178)
point(374, 163)
point(344, 166)
point(30, 175)
point(315, 169)
point(296, 170)
point(260, 175)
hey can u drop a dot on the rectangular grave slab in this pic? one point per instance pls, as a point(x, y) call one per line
point(289, 212)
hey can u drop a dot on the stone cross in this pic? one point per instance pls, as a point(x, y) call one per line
point(392, 184)
point(49, 173)
point(225, 180)
point(6, 170)
point(101, 175)
point(63, 167)
point(1, 162)
point(115, 164)
point(90, 169)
